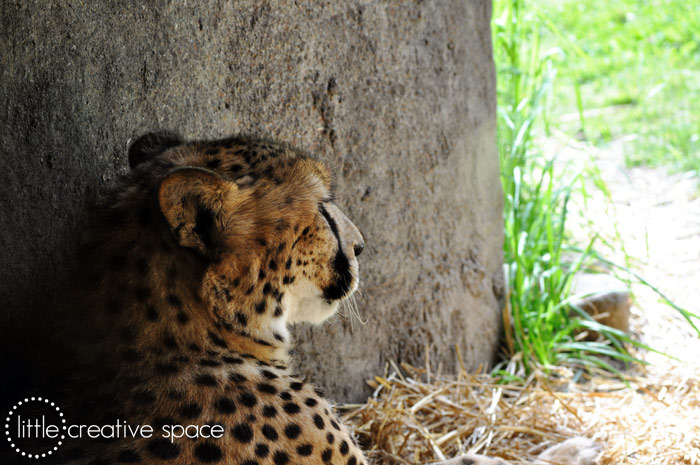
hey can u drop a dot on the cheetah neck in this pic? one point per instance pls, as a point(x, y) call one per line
point(238, 326)
point(151, 299)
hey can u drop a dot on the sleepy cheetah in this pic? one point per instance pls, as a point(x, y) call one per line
point(191, 272)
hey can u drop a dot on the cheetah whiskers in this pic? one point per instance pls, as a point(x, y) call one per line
point(350, 306)
point(356, 308)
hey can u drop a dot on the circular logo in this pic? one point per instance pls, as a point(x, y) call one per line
point(35, 427)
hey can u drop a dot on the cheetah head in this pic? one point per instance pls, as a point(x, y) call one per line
point(260, 215)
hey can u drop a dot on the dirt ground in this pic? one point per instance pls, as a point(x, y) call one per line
point(655, 215)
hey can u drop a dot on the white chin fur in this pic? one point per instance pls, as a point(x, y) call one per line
point(305, 302)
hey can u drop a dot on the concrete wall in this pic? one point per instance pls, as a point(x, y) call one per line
point(397, 97)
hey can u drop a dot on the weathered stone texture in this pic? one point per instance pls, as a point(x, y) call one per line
point(397, 97)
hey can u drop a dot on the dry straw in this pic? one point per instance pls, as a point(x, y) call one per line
point(418, 417)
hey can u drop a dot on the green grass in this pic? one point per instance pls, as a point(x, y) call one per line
point(636, 66)
point(541, 257)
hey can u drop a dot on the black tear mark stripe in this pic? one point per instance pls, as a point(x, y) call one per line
point(341, 265)
point(331, 223)
point(341, 287)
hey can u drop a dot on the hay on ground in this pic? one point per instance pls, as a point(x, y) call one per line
point(415, 417)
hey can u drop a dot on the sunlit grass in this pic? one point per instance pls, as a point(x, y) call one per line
point(541, 258)
point(637, 66)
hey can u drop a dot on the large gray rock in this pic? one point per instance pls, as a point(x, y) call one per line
point(397, 97)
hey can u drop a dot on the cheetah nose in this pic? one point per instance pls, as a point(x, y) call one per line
point(358, 248)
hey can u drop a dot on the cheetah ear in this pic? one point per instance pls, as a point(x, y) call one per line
point(151, 145)
point(192, 201)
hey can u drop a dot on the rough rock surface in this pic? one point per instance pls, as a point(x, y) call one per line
point(397, 97)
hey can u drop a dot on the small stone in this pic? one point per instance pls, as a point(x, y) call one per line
point(605, 298)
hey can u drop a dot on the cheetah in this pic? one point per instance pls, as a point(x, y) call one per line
point(192, 270)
